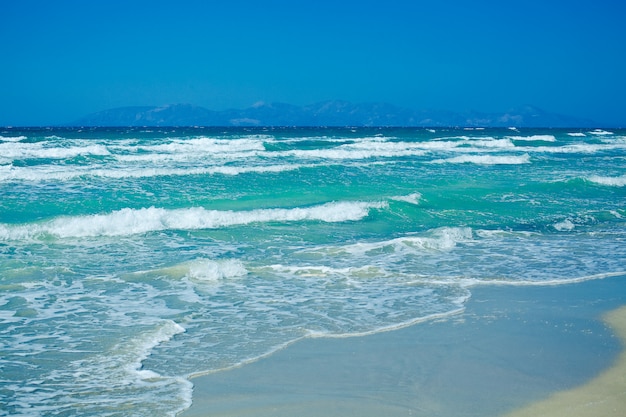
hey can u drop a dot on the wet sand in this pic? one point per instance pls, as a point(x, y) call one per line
point(604, 396)
point(513, 346)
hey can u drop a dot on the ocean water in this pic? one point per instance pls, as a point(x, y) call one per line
point(132, 259)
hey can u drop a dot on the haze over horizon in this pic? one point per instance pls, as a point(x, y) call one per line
point(66, 59)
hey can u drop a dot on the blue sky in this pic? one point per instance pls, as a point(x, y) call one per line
point(60, 60)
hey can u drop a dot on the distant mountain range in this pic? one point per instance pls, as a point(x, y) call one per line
point(328, 113)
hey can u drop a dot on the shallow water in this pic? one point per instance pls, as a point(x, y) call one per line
point(509, 348)
point(131, 259)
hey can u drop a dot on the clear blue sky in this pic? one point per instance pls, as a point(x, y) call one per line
point(60, 60)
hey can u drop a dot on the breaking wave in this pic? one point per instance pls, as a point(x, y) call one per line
point(135, 221)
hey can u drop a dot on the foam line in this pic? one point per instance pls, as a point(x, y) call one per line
point(610, 181)
point(135, 221)
point(486, 160)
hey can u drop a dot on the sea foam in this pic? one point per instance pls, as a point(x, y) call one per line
point(600, 132)
point(135, 221)
point(610, 181)
point(66, 173)
point(39, 151)
point(212, 271)
point(413, 198)
point(12, 138)
point(486, 160)
point(441, 239)
point(541, 138)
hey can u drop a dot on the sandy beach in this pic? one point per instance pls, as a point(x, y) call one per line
point(605, 395)
point(511, 347)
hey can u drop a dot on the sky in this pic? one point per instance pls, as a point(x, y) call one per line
point(62, 59)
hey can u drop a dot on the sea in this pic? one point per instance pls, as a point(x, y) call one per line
point(133, 259)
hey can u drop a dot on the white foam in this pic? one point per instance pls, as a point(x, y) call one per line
point(358, 150)
point(322, 271)
point(138, 350)
point(40, 151)
point(466, 144)
point(600, 132)
point(181, 149)
point(65, 173)
point(492, 143)
point(542, 138)
point(213, 271)
point(135, 221)
point(564, 226)
point(497, 233)
point(12, 138)
point(610, 181)
point(441, 239)
point(545, 283)
point(581, 148)
point(398, 326)
point(486, 160)
point(413, 198)
point(120, 370)
point(577, 134)
point(616, 214)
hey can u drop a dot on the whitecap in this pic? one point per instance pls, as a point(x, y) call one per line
point(64, 173)
point(359, 150)
point(12, 138)
point(610, 181)
point(39, 151)
point(413, 198)
point(441, 239)
point(214, 271)
point(135, 221)
point(486, 160)
point(538, 138)
point(564, 226)
point(600, 132)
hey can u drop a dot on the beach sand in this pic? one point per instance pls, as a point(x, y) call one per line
point(604, 396)
point(511, 347)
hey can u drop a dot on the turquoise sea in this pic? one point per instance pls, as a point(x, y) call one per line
point(133, 259)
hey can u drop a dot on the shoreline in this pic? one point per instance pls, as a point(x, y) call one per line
point(604, 395)
point(313, 336)
point(507, 345)
point(417, 321)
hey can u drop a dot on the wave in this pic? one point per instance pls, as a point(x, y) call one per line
point(139, 349)
point(610, 181)
point(441, 239)
point(544, 283)
point(103, 383)
point(12, 138)
point(200, 270)
point(37, 151)
point(194, 148)
point(541, 138)
point(564, 226)
point(358, 150)
point(121, 370)
point(383, 148)
point(136, 221)
point(413, 198)
point(600, 132)
point(208, 270)
point(65, 173)
point(486, 160)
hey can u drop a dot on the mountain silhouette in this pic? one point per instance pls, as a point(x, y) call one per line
point(327, 113)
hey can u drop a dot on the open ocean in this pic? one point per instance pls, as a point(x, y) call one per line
point(132, 259)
